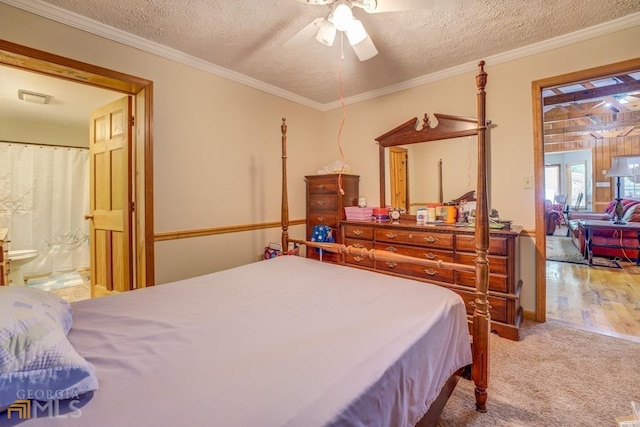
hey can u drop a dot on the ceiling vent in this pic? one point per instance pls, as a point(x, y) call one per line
point(34, 97)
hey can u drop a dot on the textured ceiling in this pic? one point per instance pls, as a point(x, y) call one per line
point(247, 36)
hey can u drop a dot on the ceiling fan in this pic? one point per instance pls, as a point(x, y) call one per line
point(341, 18)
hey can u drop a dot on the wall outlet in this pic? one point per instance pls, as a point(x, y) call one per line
point(527, 182)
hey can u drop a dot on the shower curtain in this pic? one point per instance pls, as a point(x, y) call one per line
point(44, 195)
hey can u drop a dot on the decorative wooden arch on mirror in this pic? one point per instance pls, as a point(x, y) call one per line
point(453, 127)
point(407, 133)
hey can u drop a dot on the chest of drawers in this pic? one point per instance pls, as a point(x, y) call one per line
point(325, 205)
point(449, 244)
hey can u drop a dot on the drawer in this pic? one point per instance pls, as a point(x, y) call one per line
point(497, 264)
point(323, 185)
point(324, 218)
point(497, 282)
point(497, 245)
point(357, 243)
point(358, 232)
point(356, 259)
point(498, 310)
point(417, 252)
point(325, 202)
point(412, 237)
point(423, 272)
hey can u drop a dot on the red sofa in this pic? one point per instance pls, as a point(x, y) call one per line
point(631, 213)
point(551, 218)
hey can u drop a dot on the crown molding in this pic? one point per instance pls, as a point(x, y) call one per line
point(533, 49)
point(83, 23)
point(62, 16)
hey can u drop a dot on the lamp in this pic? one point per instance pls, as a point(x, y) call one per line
point(619, 169)
point(356, 32)
point(326, 34)
point(365, 49)
point(341, 19)
point(342, 16)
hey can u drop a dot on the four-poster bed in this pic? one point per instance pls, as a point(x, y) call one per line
point(283, 342)
point(448, 127)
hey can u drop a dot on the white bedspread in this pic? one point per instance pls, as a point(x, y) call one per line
point(283, 342)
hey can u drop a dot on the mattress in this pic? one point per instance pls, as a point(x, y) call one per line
point(282, 342)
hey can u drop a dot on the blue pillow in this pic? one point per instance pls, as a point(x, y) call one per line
point(37, 361)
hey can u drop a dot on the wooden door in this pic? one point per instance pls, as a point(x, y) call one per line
point(399, 171)
point(110, 198)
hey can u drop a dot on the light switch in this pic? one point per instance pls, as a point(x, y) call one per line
point(527, 182)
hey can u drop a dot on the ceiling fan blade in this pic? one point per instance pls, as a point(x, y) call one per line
point(365, 49)
point(305, 34)
point(398, 5)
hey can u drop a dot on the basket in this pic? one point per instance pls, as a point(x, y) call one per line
point(356, 213)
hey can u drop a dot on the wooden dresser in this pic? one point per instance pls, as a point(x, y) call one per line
point(325, 205)
point(4, 257)
point(449, 244)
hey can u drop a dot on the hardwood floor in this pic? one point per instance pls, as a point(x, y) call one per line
point(599, 299)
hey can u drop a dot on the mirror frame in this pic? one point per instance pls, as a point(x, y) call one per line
point(448, 127)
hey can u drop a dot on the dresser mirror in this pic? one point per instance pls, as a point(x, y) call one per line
point(428, 162)
point(420, 173)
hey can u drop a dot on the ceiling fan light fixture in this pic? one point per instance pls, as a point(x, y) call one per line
point(342, 16)
point(326, 33)
point(365, 49)
point(356, 32)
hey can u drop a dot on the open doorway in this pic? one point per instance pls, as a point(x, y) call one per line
point(44, 176)
point(28, 59)
point(595, 111)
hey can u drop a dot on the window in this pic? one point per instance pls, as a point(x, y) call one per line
point(576, 179)
point(631, 185)
point(551, 181)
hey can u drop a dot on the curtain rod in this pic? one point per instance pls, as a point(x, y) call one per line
point(42, 145)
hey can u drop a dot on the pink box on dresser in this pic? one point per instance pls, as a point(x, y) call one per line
point(356, 213)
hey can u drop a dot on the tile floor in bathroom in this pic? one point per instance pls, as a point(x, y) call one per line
point(79, 292)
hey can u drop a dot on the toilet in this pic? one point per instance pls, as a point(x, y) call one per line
point(16, 260)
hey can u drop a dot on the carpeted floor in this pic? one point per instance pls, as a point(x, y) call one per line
point(554, 376)
point(562, 249)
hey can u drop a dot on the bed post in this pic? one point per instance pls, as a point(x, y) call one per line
point(284, 215)
point(481, 316)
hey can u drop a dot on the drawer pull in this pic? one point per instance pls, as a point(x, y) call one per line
point(358, 258)
point(320, 202)
point(431, 239)
point(430, 256)
point(390, 249)
point(391, 264)
point(357, 232)
point(321, 218)
point(431, 272)
point(358, 245)
point(321, 187)
point(391, 235)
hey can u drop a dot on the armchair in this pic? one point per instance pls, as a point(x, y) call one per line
point(551, 218)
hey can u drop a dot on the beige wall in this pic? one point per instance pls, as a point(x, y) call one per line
point(509, 107)
point(217, 147)
point(217, 143)
point(43, 133)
